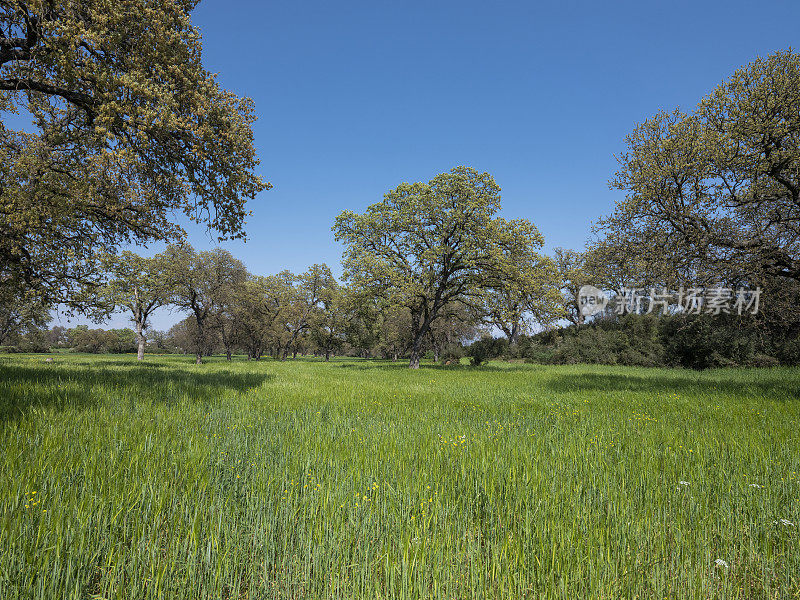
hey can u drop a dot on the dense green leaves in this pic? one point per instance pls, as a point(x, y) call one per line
point(130, 131)
point(427, 246)
point(716, 192)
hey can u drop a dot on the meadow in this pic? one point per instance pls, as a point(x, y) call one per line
point(362, 479)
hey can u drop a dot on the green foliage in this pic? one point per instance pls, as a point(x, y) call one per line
point(485, 349)
point(130, 129)
point(208, 284)
point(97, 341)
point(429, 246)
point(137, 284)
point(716, 192)
point(689, 341)
point(22, 313)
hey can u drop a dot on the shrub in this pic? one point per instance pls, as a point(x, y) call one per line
point(485, 349)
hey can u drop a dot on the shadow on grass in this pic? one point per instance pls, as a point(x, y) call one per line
point(81, 385)
point(682, 382)
point(403, 366)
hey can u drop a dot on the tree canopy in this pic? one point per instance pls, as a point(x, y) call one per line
point(130, 131)
point(138, 284)
point(718, 188)
point(428, 245)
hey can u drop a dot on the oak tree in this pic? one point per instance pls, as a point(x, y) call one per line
point(428, 245)
point(718, 188)
point(203, 283)
point(129, 131)
point(138, 284)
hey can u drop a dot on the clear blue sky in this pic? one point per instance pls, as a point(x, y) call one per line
point(355, 97)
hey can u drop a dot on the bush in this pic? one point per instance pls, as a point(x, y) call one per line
point(703, 342)
point(452, 353)
point(486, 349)
point(690, 341)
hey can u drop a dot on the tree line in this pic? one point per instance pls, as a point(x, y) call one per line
point(131, 130)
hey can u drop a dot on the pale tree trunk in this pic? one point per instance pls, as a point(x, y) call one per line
point(140, 339)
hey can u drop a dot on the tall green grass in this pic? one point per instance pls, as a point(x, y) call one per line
point(360, 479)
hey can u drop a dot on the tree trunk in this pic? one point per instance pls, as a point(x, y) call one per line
point(420, 327)
point(201, 337)
point(413, 363)
point(416, 351)
point(436, 353)
point(140, 339)
point(327, 356)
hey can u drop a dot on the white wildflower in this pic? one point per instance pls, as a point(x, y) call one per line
point(755, 485)
point(683, 482)
point(721, 563)
point(785, 522)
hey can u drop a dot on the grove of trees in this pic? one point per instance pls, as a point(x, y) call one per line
point(131, 131)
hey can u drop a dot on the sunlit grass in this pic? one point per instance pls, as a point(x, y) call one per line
point(362, 479)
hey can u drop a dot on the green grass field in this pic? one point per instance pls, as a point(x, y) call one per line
point(361, 479)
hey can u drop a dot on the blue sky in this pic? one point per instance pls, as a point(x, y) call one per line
point(354, 98)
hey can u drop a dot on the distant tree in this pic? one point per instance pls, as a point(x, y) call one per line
point(183, 337)
point(259, 309)
point(120, 341)
point(139, 285)
point(58, 337)
point(527, 296)
point(159, 340)
point(719, 187)
point(228, 277)
point(202, 283)
point(362, 333)
point(329, 328)
point(456, 325)
point(573, 274)
point(427, 245)
point(83, 339)
point(395, 334)
point(309, 289)
point(129, 130)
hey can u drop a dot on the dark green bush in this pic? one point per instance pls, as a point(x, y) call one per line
point(487, 348)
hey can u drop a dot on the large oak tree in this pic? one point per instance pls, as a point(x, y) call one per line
point(428, 245)
point(129, 131)
point(716, 192)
